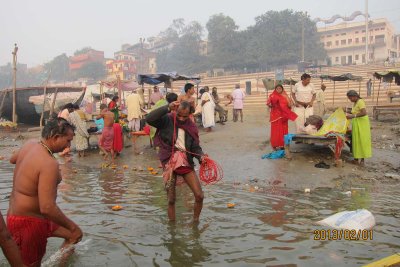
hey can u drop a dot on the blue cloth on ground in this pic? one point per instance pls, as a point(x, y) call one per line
point(99, 124)
point(274, 155)
point(288, 138)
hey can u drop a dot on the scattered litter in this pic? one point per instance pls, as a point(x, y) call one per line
point(392, 175)
point(150, 168)
point(230, 205)
point(322, 165)
point(352, 220)
point(307, 190)
point(125, 167)
point(347, 193)
point(117, 208)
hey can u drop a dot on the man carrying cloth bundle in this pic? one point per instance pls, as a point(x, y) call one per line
point(33, 214)
point(106, 142)
point(176, 153)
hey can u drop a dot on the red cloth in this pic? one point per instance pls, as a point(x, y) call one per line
point(179, 165)
point(112, 105)
point(280, 107)
point(279, 115)
point(146, 129)
point(107, 138)
point(30, 234)
point(279, 129)
point(118, 143)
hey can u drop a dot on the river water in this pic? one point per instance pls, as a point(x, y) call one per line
point(272, 223)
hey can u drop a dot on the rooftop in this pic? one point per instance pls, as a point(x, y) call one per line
point(355, 24)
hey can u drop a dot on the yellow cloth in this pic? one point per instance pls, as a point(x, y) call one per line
point(337, 122)
point(133, 104)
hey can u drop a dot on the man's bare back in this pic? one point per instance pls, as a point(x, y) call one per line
point(31, 160)
point(108, 118)
point(33, 214)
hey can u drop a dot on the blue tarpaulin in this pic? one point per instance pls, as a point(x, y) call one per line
point(158, 78)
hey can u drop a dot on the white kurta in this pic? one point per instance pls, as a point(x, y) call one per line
point(208, 110)
point(133, 104)
point(303, 94)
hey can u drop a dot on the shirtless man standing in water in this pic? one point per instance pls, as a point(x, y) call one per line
point(106, 142)
point(33, 214)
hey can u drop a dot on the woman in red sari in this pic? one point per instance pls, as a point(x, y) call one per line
point(280, 104)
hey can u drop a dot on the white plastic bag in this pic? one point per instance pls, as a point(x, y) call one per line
point(352, 220)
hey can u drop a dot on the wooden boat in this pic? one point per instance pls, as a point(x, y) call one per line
point(29, 101)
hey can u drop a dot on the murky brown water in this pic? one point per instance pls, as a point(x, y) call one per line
point(271, 224)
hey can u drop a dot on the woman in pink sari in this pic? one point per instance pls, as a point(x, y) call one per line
point(280, 113)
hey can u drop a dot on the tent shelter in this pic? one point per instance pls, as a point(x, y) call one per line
point(341, 78)
point(167, 78)
point(387, 76)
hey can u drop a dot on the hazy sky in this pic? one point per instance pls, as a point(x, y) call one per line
point(44, 29)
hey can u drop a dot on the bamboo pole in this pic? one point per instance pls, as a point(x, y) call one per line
point(359, 88)
point(379, 88)
point(148, 101)
point(373, 89)
point(44, 101)
point(334, 88)
point(101, 92)
point(119, 90)
point(14, 107)
point(197, 97)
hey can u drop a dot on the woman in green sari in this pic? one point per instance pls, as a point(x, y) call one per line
point(361, 130)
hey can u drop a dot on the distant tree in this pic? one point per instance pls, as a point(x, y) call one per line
point(82, 50)
point(223, 39)
point(275, 39)
point(184, 56)
point(92, 70)
point(174, 31)
point(59, 68)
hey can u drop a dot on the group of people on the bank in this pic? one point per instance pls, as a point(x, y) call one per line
point(34, 215)
point(304, 101)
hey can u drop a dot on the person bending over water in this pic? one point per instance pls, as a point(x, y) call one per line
point(33, 214)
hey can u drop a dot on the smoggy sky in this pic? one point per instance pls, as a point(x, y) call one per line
point(44, 29)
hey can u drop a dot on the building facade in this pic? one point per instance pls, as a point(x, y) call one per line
point(76, 62)
point(345, 42)
point(145, 58)
point(123, 66)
